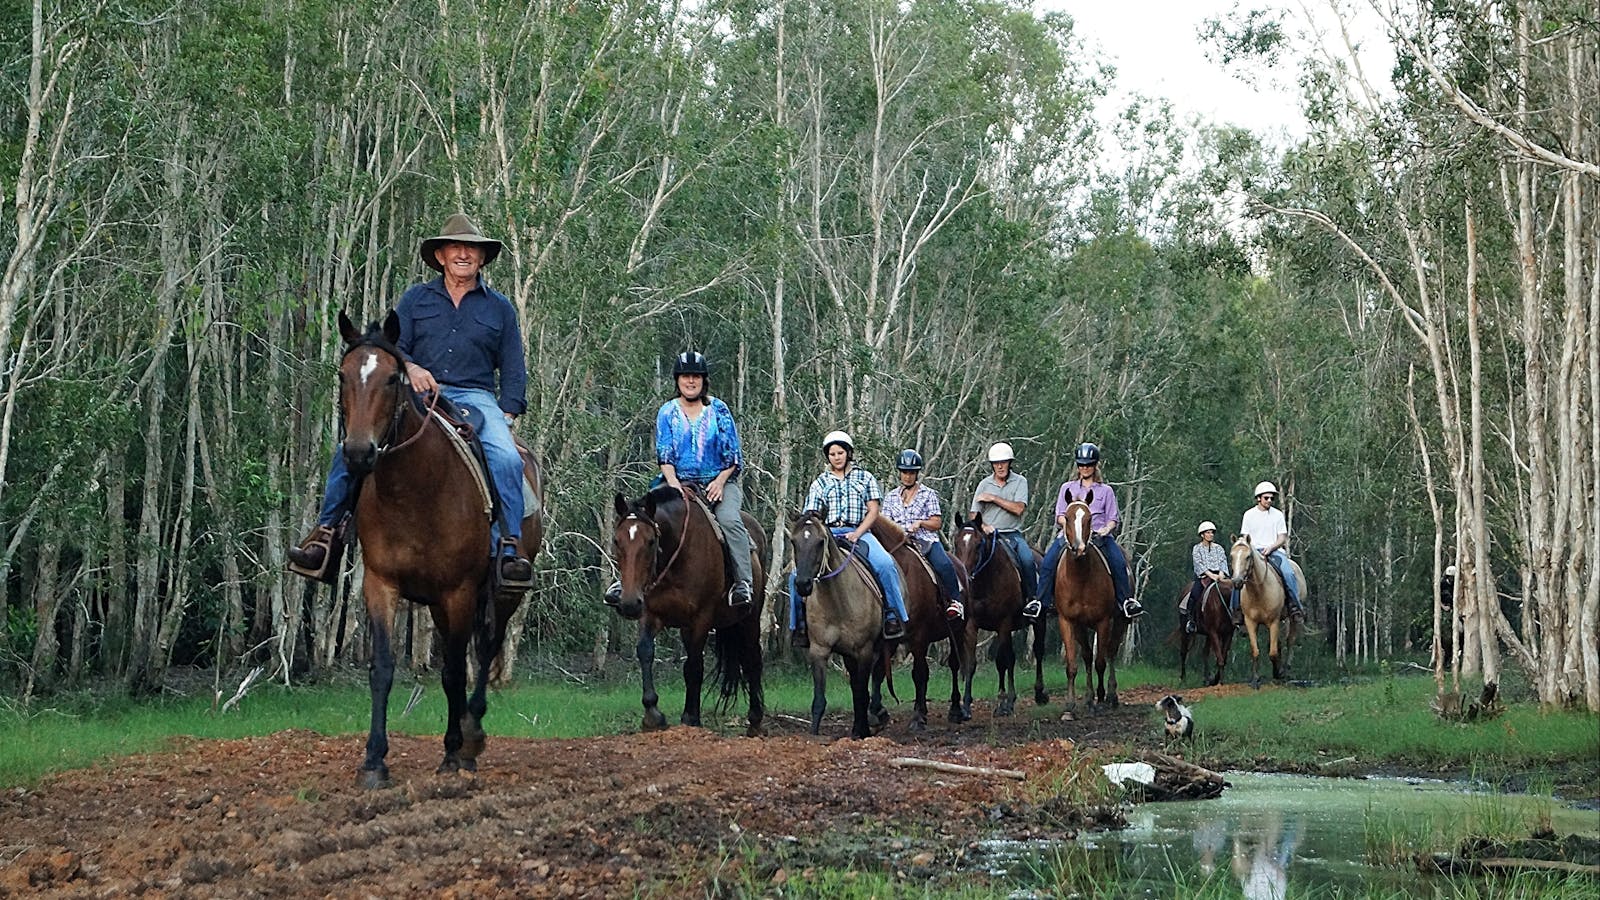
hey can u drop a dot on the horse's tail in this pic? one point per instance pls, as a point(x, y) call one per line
point(886, 665)
point(738, 653)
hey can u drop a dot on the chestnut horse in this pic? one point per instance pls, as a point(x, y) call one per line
point(1214, 623)
point(994, 603)
point(673, 576)
point(1263, 599)
point(927, 624)
point(424, 538)
point(843, 614)
point(1086, 609)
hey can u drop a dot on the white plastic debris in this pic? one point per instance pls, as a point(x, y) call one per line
point(1117, 773)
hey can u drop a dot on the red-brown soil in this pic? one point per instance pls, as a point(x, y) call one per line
point(663, 813)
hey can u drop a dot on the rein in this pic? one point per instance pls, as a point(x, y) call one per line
point(683, 532)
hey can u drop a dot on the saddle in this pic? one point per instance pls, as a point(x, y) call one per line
point(697, 500)
point(858, 559)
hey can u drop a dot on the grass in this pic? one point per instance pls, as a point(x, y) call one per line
point(1387, 721)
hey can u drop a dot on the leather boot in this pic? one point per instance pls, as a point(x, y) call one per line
point(318, 556)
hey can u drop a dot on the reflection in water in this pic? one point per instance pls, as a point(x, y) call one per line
point(1264, 873)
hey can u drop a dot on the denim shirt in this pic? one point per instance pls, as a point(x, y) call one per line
point(464, 346)
point(698, 451)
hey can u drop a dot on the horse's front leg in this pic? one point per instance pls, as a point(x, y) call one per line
point(381, 600)
point(1038, 630)
point(959, 654)
point(694, 673)
point(1255, 654)
point(860, 669)
point(1272, 650)
point(819, 688)
point(489, 636)
point(1183, 654)
point(1105, 666)
point(877, 715)
point(646, 652)
point(919, 677)
point(1005, 663)
point(1219, 651)
point(1069, 653)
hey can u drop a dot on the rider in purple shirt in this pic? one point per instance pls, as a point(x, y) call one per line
point(1104, 519)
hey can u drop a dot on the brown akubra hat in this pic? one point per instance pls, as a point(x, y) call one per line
point(458, 229)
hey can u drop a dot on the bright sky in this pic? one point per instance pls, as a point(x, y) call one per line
point(1155, 48)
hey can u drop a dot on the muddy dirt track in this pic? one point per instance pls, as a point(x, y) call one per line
point(662, 814)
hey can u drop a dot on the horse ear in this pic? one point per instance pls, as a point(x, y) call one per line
point(794, 516)
point(621, 505)
point(650, 505)
point(391, 327)
point(348, 330)
point(1089, 497)
point(822, 511)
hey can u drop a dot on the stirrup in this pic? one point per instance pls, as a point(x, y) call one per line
point(1032, 609)
point(613, 595)
point(1136, 611)
point(955, 610)
point(893, 628)
point(319, 555)
point(739, 595)
point(512, 571)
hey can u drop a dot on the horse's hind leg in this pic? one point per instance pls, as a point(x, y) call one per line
point(919, 677)
point(860, 669)
point(1272, 651)
point(694, 674)
point(963, 666)
point(750, 649)
point(489, 636)
point(457, 632)
point(1039, 630)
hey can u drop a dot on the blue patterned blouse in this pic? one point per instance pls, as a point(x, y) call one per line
point(698, 451)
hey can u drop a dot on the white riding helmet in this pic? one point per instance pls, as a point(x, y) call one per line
point(1265, 487)
point(1001, 452)
point(1206, 526)
point(1450, 571)
point(838, 437)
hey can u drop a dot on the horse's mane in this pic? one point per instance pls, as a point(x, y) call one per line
point(663, 494)
point(374, 338)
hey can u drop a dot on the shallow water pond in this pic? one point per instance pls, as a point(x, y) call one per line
point(1278, 835)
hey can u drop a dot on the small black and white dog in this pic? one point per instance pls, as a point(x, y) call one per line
point(1180, 721)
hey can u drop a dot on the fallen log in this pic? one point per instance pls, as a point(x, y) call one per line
point(912, 762)
point(1179, 780)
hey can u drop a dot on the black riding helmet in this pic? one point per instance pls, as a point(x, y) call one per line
point(909, 461)
point(1087, 455)
point(690, 362)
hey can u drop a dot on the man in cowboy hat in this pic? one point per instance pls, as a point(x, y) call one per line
point(457, 335)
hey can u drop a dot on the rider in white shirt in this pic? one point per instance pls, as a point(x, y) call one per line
point(1269, 533)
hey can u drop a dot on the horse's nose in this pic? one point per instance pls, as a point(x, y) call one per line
point(631, 607)
point(802, 587)
point(359, 456)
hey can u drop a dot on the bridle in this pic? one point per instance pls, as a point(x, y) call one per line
point(660, 572)
point(397, 413)
point(829, 540)
point(1242, 578)
point(986, 547)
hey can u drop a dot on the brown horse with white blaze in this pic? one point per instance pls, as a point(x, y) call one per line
point(671, 565)
point(424, 537)
point(844, 615)
point(1263, 600)
point(1086, 609)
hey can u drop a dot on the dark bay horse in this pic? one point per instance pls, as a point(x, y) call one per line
point(673, 576)
point(424, 533)
point(1213, 622)
point(844, 614)
point(1085, 599)
point(994, 603)
point(927, 624)
point(1263, 599)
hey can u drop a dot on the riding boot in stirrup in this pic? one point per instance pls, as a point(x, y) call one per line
point(1132, 609)
point(955, 610)
point(740, 595)
point(319, 555)
point(1032, 609)
point(613, 594)
point(515, 572)
point(893, 628)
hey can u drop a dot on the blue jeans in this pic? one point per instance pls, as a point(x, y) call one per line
point(505, 466)
point(939, 558)
point(1114, 559)
point(1027, 562)
point(882, 565)
point(1280, 561)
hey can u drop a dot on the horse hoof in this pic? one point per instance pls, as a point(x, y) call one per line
point(918, 725)
point(655, 722)
point(450, 766)
point(373, 779)
point(1040, 698)
point(691, 721)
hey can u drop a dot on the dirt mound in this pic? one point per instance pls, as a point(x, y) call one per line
point(281, 815)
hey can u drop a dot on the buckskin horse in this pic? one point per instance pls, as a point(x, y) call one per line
point(844, 614)
point(672, 567)
point(424, 535)
point(1262, 598)
point(1085, 599)
point(1211, 621)
point(994, 603)
point(927, 624)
